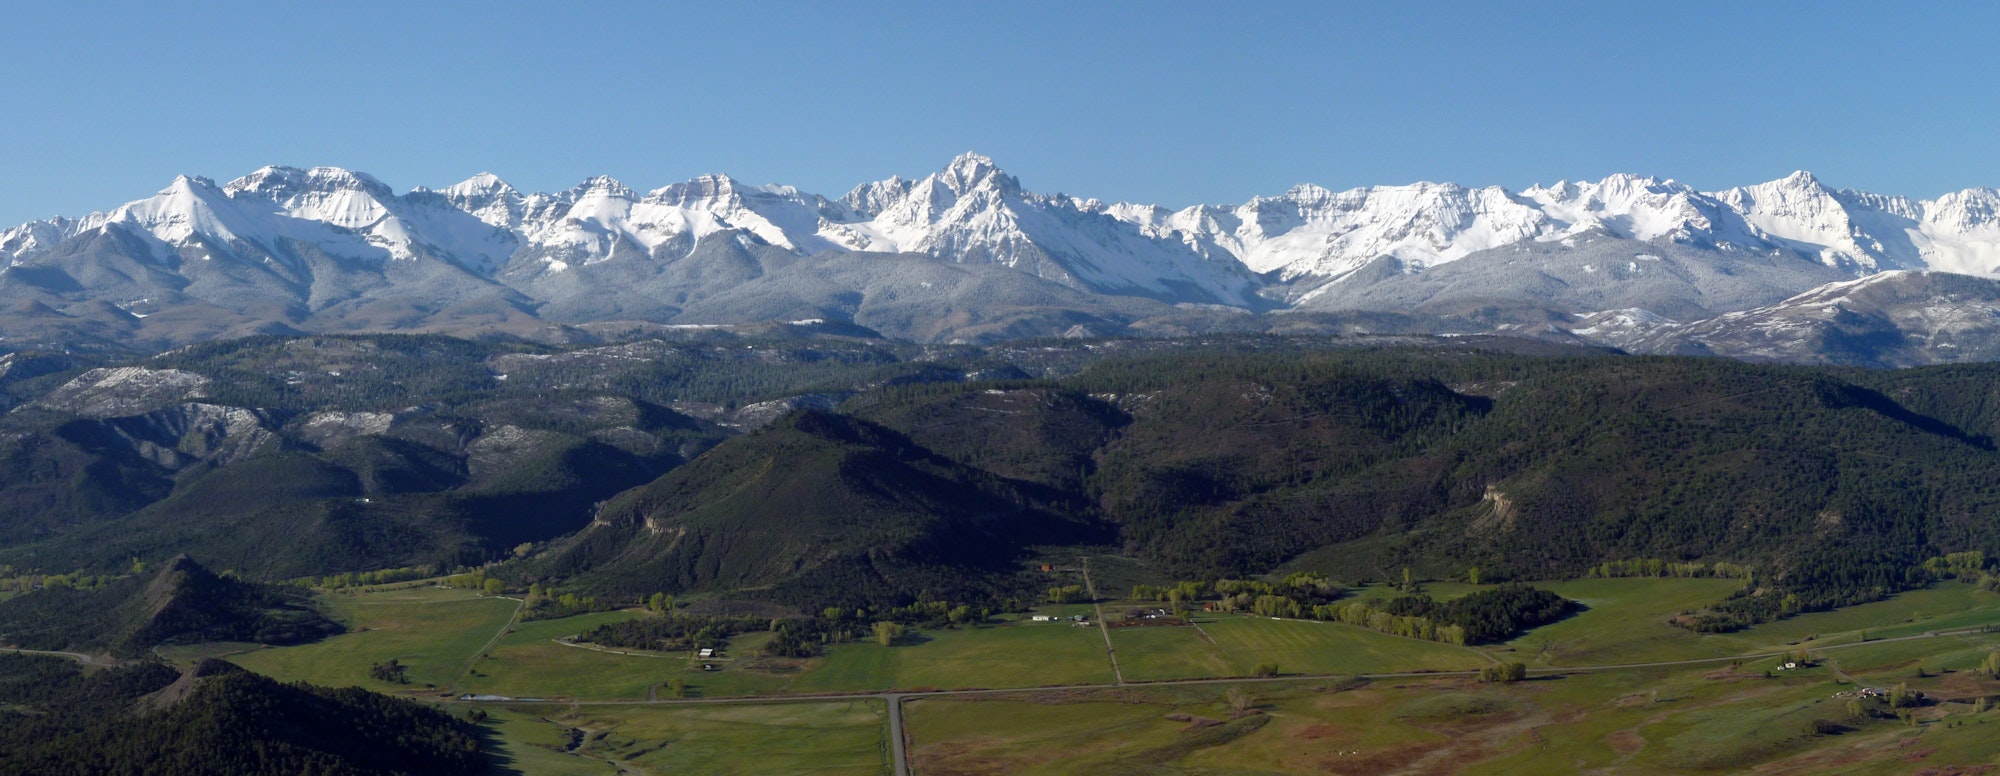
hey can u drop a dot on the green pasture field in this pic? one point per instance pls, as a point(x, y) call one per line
point(521, 742)
point(433, 631)
point(1625, 621)
point(436, 631)
point(1705, 718)
point(1028, 654)
point(1944, 606)
point(1888, 662)
point(1692, 720)
point(831, 737)
point(529, 663)
point(1228, 645)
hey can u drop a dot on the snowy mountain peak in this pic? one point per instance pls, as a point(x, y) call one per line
point(1275, 247)
point(713, 187)
point(971, 171)
point(188, 184)
point(484, 184)
point(187, 207)
point(869, 199)
point(279, 182)
point(601, 186)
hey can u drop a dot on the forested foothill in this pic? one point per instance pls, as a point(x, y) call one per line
point(56, 718)
point(181, 602)
point(860, 474)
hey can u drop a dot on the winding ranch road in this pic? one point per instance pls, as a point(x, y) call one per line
point(894, 700)
point(1116, 675)
point(76, 656)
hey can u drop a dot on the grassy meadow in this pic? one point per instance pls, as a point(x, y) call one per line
point(833, 737)
point(433, 631)
point(1026, 654)
point(1693, 721)
point(1228, 645)
point(1700, 718)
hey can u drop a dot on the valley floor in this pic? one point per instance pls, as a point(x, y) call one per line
point(1612, 689)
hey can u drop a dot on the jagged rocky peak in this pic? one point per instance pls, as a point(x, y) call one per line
point(716, 191)
point(483, 196)
point(600, 186)
point(869, 199)
point(1274, 250)
point(483, 184)
point(188, 206)
point(969, 189)
point(277, 182)
point(1969, 209)
point(701, 188)
point(185, 183)
point(1797, 194)
point(478, 191)
point(972, 171)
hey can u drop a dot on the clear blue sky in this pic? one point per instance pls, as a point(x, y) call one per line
point(1173, 103)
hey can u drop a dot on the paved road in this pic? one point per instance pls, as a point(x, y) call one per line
point(897, 757)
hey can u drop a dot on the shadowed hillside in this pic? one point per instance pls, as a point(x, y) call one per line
point(822, 506)
point(181, 603)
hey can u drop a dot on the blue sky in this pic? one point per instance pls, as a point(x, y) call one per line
point(1172, 103)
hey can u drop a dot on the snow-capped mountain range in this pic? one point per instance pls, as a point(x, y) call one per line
point(326, 239)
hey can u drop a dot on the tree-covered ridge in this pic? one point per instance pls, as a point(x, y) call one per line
point(816, 509)
point(1209, 458)
point(390, 371)
point(180, 603)
point(147, 719)
point(1215, 461)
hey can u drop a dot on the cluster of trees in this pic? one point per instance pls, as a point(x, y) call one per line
point(546, 603)
point(1068, 594)
point(808, 636)
point(1481, 617)
point(805, 636)
point(25, 583)
point(391, 671)
point(1486, 616)
point(1657, 568)
point(927, 614)
point(477, 580)
point(675, 632)
point(1822, 582)
point(1504, 672)
point(378, 577)
point(1970, 567)
point(1303, 589)
point(1361, 614)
